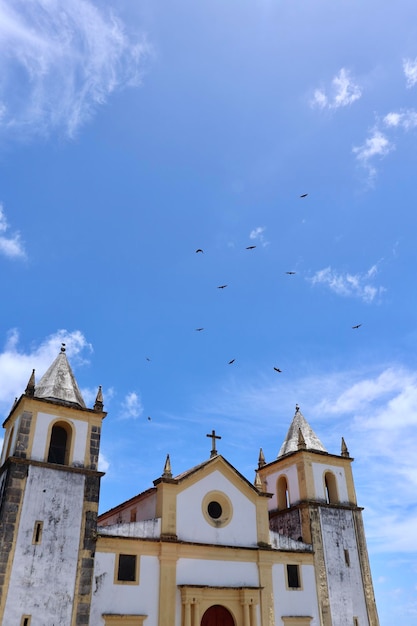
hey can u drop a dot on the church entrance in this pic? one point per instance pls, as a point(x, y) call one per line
point(217, 616)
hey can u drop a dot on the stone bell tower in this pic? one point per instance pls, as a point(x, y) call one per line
point(314, 500)
point(49, 490)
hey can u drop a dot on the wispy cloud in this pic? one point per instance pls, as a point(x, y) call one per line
point(12, 245)
point(16, 364)
point(258, 235)
point(66, 58)
point(377, 145)
point(405, 119)
point(349, 285)
point(410, 71)
point(131, 406)
point(343, 92)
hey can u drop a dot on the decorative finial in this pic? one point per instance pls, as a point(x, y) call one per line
point(98, 404)
point(261, 460)
point(62, 347)
point(167, 473)
point(297, 408)
point(345, 451)
point(213, 443)
point(30, 387)
point(301, 440)
point(258, 482)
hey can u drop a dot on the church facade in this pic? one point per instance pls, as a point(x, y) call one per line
point(204, 548)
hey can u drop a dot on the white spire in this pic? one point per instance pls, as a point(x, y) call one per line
point(300, 430)
point(58, 382)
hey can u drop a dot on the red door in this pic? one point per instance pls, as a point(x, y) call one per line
point(217, 616)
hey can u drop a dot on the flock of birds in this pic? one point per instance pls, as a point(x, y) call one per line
point(289, 272)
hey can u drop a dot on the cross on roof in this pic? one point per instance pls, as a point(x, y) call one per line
point(213, 442)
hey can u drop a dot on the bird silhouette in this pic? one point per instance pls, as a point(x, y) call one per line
point(304, 195)
point(232, 361)
point(221, 286)
point(149, 419)
point(357, 326)
point(199, 250)
point(277, 369)
point(147, 358)
point(250, 247)
point(290, 273)
point(198, 329)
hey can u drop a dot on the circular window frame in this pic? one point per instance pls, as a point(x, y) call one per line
point(226, 507)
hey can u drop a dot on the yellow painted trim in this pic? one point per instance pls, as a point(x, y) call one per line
point(167, 583)
point(25, 617)
point(123, 620)
point(143, 547)
point(37, 534)
point(196, 601)
point(296, 620)
point(166, 508)
point(226, 505)
point(300, 577)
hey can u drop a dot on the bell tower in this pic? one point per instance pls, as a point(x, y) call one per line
point(49, 490)
point(314, 501)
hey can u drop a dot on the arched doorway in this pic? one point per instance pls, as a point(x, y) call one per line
point(217, 615)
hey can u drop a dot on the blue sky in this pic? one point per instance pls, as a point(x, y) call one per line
point(133, 134)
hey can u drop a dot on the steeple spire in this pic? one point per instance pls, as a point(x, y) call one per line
point(58, 382)
point(300, 436)
point(30, 387)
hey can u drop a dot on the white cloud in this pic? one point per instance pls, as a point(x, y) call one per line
point(103, 463)
point(406, 119)
point(349, 285)
point(377, 145)
point(59, 61)
point(16, 364)
point(410, 71)
point(132, 406)
point(344, 91)
point(258, 234)
point(10, 246)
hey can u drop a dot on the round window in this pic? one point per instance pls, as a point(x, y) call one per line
point(214, 509)
point(217, 508)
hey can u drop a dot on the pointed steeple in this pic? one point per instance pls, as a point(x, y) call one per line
point(258, 482)
point(261, 459)
point(30, 387)
point(344, 451)
point(58, 382)
point(300, 436)
point(98, 404)
point(167, 473)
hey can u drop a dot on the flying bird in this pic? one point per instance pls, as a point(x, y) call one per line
point(250, 247)
point(199, 250)
point(221, 286)
point(304, 195)
point(199, 329)
point(357, 326)
point(290, 273)
point(149, 419)
point(277, 369)
point(147, 358)
point(232, 361)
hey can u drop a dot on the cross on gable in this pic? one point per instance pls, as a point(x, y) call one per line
point(213, 442)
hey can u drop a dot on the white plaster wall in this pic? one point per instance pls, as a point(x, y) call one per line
point(345, 582)
point(145, 510)
point(43, 576)
point(109, 597)
point(295, 601)
point(319, 469)
point(192, 525)
point(40, 439)
point(217, 573)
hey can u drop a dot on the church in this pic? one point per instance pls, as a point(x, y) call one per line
point(204, 548)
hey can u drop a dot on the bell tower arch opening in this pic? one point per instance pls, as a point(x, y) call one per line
point(330, 487)
point(283, 495)
point(60, 443)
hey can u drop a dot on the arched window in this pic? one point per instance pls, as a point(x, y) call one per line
point(283, 495)
point(330, 488)
point(60, 444)
point(9, 444)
